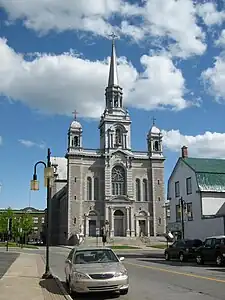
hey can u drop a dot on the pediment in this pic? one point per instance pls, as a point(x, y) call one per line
point(120, 199)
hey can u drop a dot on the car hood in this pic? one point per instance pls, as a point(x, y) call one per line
point(99, 268)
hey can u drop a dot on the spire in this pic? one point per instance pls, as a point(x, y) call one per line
point(113, 75)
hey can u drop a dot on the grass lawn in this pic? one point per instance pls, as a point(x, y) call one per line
point(14, 245)
point(118, 247)
point(159, 246)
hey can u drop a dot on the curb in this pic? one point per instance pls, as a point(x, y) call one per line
point(63, 290)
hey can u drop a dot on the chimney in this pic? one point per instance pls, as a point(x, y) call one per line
point(184, 152)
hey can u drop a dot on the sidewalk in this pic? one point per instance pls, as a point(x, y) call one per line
point(23, 281)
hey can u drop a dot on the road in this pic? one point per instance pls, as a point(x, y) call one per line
point(153, 278)
point(6, 260)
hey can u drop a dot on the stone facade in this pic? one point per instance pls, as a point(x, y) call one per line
point(112, 185)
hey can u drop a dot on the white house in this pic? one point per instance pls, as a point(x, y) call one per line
point(196, 187)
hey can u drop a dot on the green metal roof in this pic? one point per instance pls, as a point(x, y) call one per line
point(206, 165)
point(210, 173)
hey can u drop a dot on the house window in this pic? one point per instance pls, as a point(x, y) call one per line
point(145, 190)
point(188, 186)
point(89, 188)
point(159, 199)
point(42, 220)
point(189, 212)
point(75, 179)
point(75, 197)
point(35, 220)
point(158, 181)
point(178, 213)
point(96, 189)
point(167, 212)
point(76, 141)
point(138, 190)
point(159, 221)
point(177, 189)
point(118, 181)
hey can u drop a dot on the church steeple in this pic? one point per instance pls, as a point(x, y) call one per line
point(113, 92)
point(113, 74)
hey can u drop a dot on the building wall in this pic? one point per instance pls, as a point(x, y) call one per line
point(211, 203)
point(198, 227)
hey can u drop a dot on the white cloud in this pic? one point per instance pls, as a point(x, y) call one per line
point(214, 78)
point(209, 144)
point(29, 144)
point(58, 83)
point(210, 15)
point(221, 40)
point(170, 19)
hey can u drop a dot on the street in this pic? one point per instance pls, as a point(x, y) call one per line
point(154, 278)
point(6, 260)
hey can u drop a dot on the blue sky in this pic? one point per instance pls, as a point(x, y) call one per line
point(54, 59)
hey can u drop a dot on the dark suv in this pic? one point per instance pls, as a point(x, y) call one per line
point(212, 250)
point(182, 249)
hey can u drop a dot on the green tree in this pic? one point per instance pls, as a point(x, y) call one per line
point(8, 213)
point(24, 226)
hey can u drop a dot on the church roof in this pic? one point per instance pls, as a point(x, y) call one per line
point(155, 130)
point(75, 125)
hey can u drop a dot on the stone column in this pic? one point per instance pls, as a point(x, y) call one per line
point(148, 226)
point(132, 231)
point(128, 221)
point(112, 222)
point(106, 213)
point(137, 227)
point(87, 226)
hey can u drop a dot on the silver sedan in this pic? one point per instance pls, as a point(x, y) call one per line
point(95, 270)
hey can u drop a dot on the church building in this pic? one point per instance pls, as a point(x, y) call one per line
point(113, 185)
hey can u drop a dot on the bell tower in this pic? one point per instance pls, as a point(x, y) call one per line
point(75, 135)
point(115, 121)
point(154, 141)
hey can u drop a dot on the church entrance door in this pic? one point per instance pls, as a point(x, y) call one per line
point(142, 227)
point(119, 223)
point(92, 227)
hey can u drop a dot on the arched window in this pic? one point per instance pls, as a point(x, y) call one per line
point(75, 141)
point(89, 188)
point(138, 190)
point(118, 137)
point(96, 189)
point(118, 181)
point(156, 146)
point(145, 190)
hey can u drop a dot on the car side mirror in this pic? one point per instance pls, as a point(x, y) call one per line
point(121, 258)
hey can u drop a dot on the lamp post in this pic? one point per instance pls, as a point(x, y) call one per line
point(48, 175)
point(182, 206)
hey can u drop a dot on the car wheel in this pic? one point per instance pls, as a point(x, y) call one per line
point(199, 260)
point(181, 257)
point(219, 260)
point(167, 256)
point(124, 292)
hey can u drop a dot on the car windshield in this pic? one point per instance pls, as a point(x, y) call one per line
point(193, 243)
point(94, 256)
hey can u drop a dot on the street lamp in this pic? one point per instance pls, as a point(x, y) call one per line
point(182, 207)
point(34, 186)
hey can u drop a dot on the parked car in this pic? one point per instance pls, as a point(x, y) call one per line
point(95, 270)
point(182, 249)
point(212, 250)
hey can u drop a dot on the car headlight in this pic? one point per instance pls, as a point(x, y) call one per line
point(80, 276)
point(122, 273)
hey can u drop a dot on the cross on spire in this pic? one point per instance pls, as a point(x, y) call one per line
point(153, 121)
point(113, 36)
point(75, 113)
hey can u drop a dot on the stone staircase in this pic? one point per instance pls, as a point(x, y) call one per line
point(126, 241)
